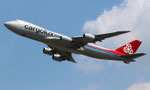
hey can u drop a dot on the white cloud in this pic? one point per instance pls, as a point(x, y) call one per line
point(140, 86)
point(87, 64)
point(130, 15)
point(92, 87)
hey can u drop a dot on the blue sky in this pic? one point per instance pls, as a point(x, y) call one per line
point(23, 66)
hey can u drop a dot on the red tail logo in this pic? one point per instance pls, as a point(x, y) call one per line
point(129, 48)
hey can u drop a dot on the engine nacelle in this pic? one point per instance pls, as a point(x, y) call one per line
point(58, 57)
point(89, 37)
point(48, 51)
point(66, 39)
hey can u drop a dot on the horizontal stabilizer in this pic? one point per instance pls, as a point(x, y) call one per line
point(133, 56)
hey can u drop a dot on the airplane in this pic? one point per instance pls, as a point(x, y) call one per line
point(61, 47)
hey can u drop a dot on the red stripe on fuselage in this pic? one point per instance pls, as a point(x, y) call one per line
point(57, 35)
point(111, 51)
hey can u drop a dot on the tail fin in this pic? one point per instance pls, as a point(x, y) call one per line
point(129, 48)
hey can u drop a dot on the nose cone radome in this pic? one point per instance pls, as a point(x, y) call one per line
point(11, 25)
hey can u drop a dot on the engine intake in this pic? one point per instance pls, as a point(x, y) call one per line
point(89, 37)
point(48, 51)
point(66, 39)
point(58, 57)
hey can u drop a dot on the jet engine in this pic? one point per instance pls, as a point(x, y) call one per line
point(66, 39)
point(58, 57)
point(89, 37)
point(48, 51)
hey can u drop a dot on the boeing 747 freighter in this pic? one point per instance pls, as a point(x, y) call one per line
point(61, 47)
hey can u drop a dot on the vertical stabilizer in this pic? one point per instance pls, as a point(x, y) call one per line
point(129, 48)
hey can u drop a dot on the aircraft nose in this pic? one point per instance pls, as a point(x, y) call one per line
point(11, 25)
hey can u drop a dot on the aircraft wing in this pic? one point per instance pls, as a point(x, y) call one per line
point(81, 41)
point(108, 35)
point(66, 55)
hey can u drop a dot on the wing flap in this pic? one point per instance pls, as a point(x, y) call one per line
point(71, 59)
